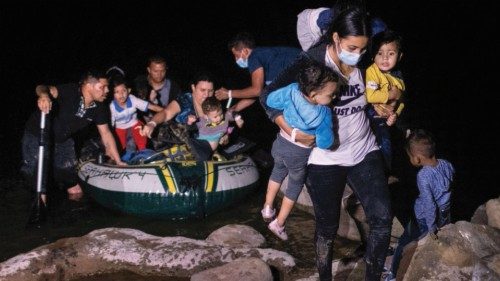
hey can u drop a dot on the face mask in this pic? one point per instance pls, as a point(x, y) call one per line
point(348, 57)
point(243, 63)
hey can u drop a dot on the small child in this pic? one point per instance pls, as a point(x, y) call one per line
point(305, 108)
point(215, 124)
point(124, 113)
point(432, 207)
point(384, 87)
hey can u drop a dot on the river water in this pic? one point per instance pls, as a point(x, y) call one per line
point(76, 218)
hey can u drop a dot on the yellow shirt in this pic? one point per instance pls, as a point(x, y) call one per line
point(377, 86)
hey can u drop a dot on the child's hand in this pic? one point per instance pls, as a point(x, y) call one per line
point(383, 110)
point(191, 119)
point(391, 120)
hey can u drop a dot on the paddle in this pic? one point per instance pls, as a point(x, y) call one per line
point(38, 213)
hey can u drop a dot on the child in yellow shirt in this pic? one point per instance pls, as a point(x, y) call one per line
point(384, 88)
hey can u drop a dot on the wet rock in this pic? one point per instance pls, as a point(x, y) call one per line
point(237, 235)
point(493, 212)
point(248, 269)
point(120, 249)
point(479, 216)
point(463, 251)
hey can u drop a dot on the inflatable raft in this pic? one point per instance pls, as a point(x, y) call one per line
point(168, 188)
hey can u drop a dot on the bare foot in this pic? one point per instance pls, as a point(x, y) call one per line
point(75, 193)
point(75, 196)
point(75, 189)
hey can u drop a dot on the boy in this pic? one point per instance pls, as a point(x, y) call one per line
point(432, 207)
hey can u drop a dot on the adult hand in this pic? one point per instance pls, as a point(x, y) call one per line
point(305, 139)
point(44, 103)
point(152, 96)
point(222, 93)
point(147, 129)
point(394, 93)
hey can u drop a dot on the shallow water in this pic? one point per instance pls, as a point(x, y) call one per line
point(72, 219)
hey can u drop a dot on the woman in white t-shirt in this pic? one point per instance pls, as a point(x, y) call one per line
point(357, 160)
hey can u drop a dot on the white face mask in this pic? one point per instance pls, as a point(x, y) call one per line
point(347, 57)
point(241, 62)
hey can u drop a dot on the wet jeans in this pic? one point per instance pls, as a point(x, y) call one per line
point(325, 184)
point(411, 232)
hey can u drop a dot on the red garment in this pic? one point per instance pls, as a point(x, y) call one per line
point(139, 140)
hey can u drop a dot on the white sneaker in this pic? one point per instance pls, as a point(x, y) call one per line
point(278, 230)
point(390, 277)
point(268, 213)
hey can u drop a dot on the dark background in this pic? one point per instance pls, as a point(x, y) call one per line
point(449, 62)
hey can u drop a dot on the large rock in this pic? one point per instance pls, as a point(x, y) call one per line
point(493, 212)
point(463, 251)
point(249, 269)
point(237, 235)
point(119, 249)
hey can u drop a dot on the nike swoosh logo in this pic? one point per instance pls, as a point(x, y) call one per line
point(347, 101)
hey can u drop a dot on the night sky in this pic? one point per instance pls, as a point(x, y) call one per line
point(448, 46)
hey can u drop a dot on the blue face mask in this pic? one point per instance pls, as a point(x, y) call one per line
point(243, 63)
point(348, 57)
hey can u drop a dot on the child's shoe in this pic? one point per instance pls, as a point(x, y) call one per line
point(268, 213)
point(390, 277)
point(278, 230)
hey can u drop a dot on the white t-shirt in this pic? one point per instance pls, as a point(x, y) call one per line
point(354, 133)
point(124, 118)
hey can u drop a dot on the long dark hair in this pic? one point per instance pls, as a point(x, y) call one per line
point(353, 21)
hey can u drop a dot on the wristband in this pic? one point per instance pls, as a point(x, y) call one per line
point(294, 134)
point(230, 94)
point(152, 123)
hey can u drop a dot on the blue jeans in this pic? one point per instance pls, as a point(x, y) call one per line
point(326, 184)
point(382, 134)
point(411, 232)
